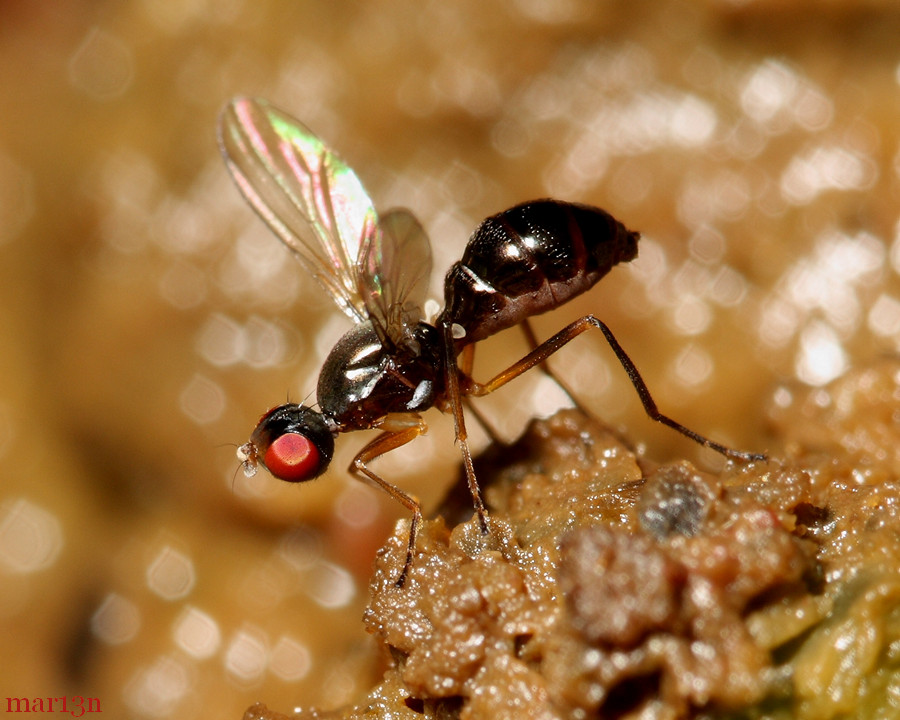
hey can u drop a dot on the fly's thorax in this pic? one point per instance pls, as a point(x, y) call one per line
point(363, 379)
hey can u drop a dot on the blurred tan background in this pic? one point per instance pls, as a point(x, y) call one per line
point(147, 318)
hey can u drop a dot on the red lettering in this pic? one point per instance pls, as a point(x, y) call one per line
point(53, 704)
point(18, 702)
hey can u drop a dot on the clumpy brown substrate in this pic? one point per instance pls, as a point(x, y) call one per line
point(610, 587)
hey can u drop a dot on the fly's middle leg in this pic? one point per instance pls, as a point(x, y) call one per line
point(455, 405)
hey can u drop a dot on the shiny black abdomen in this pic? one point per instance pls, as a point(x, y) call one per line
point(361, 381)
point(528, 260)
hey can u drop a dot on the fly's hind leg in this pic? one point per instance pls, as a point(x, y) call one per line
point(384, 443)
point(569, 333)
point(465, 364)
point(534, 344)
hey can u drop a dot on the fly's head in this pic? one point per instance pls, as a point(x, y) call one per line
point(293, 442)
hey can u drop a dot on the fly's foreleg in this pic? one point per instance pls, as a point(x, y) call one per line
point(382, 444)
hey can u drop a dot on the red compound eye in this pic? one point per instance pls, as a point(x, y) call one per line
point(293, 457)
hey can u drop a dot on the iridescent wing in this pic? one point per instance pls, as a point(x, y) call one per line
point(305, 193)
point(394, 271)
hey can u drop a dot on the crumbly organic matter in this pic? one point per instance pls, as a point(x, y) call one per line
point(609, 587)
